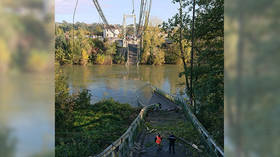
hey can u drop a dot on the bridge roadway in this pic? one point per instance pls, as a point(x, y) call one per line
point(168, 116)
point(132, 57)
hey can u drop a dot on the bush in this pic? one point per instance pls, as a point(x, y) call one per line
point(83, 99)
point(172, 52)
point(171, 58)
point(111, 48)
point(158, 57)
point(60, 56)
point(84, 57)
point(99, 59)
point(108, 60)
point(118, 59)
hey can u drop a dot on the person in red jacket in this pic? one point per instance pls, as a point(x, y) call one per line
point(158, 140)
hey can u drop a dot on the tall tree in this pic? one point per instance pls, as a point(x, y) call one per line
point(207, 72)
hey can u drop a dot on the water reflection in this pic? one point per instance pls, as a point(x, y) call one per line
point(122, 83)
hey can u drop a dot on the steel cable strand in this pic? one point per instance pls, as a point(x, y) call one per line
point(74, 13)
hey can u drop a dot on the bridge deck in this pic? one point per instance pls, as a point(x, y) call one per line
point(165, 103)
point(164, 121)
point(132, 58)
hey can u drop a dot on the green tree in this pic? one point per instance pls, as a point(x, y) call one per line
point(208, 60)
point(111, 48)
point(152, 44)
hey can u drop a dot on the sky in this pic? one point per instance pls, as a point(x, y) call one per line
point(112, 9)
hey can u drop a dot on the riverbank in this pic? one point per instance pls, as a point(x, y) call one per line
point(94, 128)
point(112, 63)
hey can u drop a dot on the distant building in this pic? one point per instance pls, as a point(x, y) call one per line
point(96, 37)
point(107, 33)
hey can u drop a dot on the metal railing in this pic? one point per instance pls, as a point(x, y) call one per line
point(214, 148)
point(123, 145)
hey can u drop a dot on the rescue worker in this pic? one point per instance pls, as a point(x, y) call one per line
point(172, 140)
point(158, 140)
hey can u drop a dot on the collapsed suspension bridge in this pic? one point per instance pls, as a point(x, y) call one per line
point(132, 47)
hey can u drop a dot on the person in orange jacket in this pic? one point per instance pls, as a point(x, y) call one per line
point(158, 140)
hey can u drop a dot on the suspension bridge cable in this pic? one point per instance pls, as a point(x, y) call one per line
point(144, 15)
point(133, 6)
point(101, 14)
point(140, 16)
point(147, 14)
point(74, 23)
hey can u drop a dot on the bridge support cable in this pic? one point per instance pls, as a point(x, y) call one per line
point(144, 15)
point(101, 14)
point(74, 13)
point(148, 6)
point(133, 7)
point(140, 16)
point(143, 23)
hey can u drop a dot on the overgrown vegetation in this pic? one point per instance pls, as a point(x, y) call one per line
point(84, 129)
point(152, 46)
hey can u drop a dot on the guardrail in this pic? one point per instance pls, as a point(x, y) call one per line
point(208, 139)
point(121, 147)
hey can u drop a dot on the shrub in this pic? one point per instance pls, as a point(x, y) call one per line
point(84, 57)
point(158, 57)
point(118, 59)
point(107, 60)
point(99, 59)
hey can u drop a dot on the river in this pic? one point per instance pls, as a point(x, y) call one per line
point(122, 83)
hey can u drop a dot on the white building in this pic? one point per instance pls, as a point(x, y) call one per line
point(107, 33)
